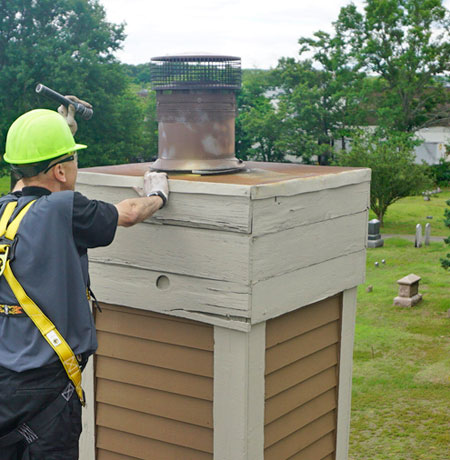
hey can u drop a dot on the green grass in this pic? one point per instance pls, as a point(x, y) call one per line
point(403, 216)
point(4, 185)
point(401, 369)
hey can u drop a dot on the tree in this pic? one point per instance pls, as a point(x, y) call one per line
point(445, 261)
point(258, 124)
point(390, 156)
point(405, 43)
point(68, 45)
point(140, 73)
point(317, 104)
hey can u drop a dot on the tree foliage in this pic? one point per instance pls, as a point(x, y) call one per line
point(405, 44)
point(258, 125)
point(68, 45)
point(390, 156)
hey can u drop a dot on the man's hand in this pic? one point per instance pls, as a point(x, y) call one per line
point(69, 114)
point(154, 182)
point(134, 210)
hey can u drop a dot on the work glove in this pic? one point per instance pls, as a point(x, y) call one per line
point(69, 114)
point(155, 184)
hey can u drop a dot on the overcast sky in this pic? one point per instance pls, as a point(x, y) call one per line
point(259, 31)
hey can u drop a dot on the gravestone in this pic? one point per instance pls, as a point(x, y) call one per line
point(374, 237)
point(408, 291)
point(427, 234)
point(418, 240)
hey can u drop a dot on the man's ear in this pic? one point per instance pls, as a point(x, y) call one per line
point(59, 173)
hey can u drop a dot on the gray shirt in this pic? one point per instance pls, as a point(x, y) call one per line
point(50, 262)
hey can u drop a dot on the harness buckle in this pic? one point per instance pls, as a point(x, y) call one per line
point(4, 252)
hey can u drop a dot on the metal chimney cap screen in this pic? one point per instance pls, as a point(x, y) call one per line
point(192, 72)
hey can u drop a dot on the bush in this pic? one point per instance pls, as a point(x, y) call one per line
point(441, 173)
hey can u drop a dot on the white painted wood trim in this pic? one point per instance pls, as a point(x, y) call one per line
point(182, 186)
point(310, 184)
point(194, 252)
point(282, 294)
point(275, 214)
point(256, 390)
point(288, 250)
point(223, 212)
point(283, 188)
point(345, 373)
point(87, 439)
point(184, 296)
point(239, 363)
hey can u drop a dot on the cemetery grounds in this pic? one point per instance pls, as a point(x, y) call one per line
point(401, 367)
point(401, 362)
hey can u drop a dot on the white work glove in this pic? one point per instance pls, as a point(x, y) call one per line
point(69, 114)
point(155, 184)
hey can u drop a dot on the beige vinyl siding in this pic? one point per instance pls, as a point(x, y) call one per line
point(302, 358)
point(154, 386)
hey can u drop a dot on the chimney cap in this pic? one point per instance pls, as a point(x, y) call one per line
point(196, 57)
point(199, 71)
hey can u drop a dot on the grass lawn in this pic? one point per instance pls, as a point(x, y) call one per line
point(403, 216)
point(401, 373)
point(4, 184)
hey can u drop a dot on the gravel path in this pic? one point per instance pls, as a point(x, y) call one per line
point(412, 237)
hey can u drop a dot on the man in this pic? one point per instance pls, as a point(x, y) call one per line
point(46, 328)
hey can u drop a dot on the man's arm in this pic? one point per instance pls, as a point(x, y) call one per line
point(135, 210)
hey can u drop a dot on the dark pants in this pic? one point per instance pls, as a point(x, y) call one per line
point(24, 394)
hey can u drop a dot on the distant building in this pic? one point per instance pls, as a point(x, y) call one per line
point(434, 144)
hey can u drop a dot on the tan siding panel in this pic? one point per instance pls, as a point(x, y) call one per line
point(300, 394)
point(158, 354)
point(144, 448)
point(299, 417)
point(305, 319)
point(154, 386)
point(329, 457)
point(301, 438)
point(155, 402)
point(302, 359)
point(158, 329)
point(320, 449)
point(288, 352)
point(108, 455)
point(155, 377)
point(149, 426)
point(301, 370)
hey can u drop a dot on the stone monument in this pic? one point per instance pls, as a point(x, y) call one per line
point(374, 237)
point(427, 234)
point(408, 291)
point(418, 240)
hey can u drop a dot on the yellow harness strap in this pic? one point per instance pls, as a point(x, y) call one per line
point(45, 326)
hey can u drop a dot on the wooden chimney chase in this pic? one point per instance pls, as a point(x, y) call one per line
point(228, 320)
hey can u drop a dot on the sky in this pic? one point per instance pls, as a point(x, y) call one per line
point(258, 31)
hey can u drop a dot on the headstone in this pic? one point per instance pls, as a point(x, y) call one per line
point(374, 237)
point(408, 291)
point(427, 234)
point(383, 261)
point(418, 241)
point(376, 264)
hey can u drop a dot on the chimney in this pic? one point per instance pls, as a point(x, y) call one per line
point(196, 107)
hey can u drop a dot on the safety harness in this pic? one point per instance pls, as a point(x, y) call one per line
point(48, 330)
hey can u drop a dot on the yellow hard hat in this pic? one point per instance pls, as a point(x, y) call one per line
point(37, 136)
